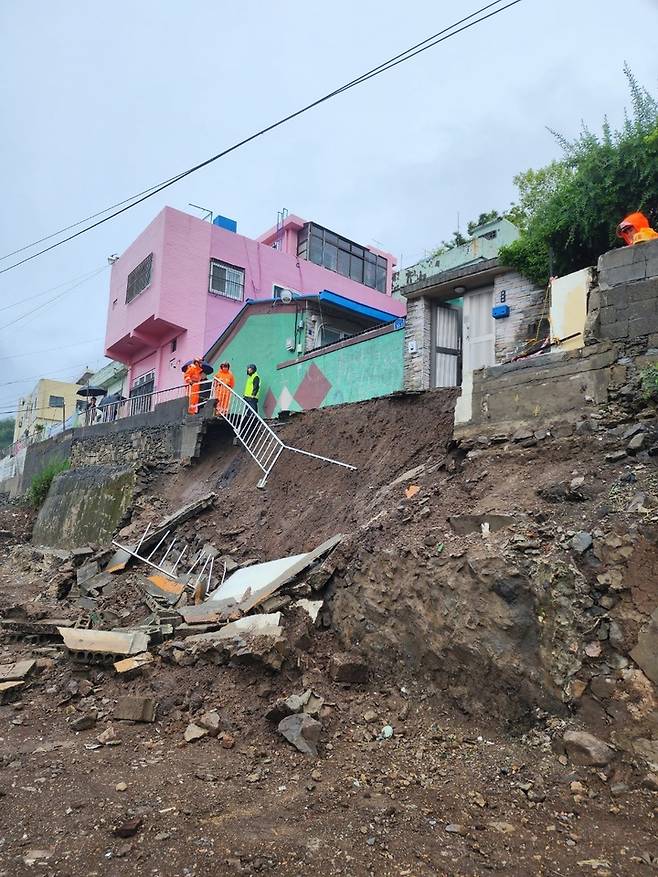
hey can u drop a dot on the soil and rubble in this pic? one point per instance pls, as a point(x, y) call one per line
point(463, 683)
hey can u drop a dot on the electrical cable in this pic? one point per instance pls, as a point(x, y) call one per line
point(51, 289)
point(52, 349)
point(442, 35)
point(53, 299)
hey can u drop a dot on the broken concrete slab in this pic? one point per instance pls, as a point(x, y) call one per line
point(16, 671)
point(303, 732)
point(206, 613)
point(311, 607)
point(135, 709)
point(8, 690)
point(107, 642)
point(162, 587)
point(133, 665)
point(251, 586)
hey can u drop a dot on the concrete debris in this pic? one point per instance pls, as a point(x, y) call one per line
point(105, 642)
point(344, 667)
point(8, 690)
point(194, 732)
point(162, 587)
point(208, 613)
point(133, 665)
point(409, 475)
point(636, 443)
point(303, 732)
point(251, 586)
point(311, 607)
point(586, 749)
point(18, 670)
point(135, 709)
point(309, 703)
point(108, 737)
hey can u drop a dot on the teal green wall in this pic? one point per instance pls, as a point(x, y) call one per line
point(359, 371)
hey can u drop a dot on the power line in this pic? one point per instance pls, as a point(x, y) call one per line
point(428, 43)
point(54, 298)
point(52, 349)
point(51, 289)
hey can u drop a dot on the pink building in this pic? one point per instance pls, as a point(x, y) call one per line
point(179, 285)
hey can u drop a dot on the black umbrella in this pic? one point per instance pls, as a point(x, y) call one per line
point(208, 369)
point(112, 399)
point(92, 391)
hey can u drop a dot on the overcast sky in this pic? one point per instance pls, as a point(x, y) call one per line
point(102, 99)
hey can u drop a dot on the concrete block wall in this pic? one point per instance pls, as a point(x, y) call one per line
point(418, 334)
point(527, 303)
point(626, 302)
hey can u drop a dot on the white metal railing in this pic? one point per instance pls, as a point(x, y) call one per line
point(259, 439)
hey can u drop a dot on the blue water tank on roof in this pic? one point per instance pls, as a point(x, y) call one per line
point(225, 222)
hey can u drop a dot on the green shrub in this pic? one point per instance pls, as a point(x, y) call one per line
point(41, 482)
point(649, 379)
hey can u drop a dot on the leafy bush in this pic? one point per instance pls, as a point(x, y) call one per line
point(569, 210)
point(41, 482)
point(649, 379)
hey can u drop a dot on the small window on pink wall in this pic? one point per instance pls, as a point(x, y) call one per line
point(226, 280)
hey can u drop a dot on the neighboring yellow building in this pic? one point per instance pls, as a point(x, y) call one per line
point(48, 404)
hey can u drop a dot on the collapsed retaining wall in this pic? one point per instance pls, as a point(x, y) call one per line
point(85, 506)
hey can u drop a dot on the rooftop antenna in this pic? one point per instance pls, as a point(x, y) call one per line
point(281, 217)
point(208, 213)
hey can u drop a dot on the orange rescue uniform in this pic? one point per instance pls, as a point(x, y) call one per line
point(193, 376)
point(635, 229)
point(225, 378)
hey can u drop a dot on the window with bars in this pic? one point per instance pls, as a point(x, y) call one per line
point(139, 278)
point(319, 245)
point(226, 280)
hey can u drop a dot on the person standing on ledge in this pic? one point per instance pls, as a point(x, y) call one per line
point(252, 387)
point(224, 379)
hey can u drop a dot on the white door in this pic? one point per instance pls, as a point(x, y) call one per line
point(446, 349)
point(479, 332)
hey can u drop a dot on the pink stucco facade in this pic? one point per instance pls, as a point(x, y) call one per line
point(177, 310)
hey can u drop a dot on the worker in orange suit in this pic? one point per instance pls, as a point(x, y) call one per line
point(225, 379)
point(193, 374)
point(635, 229)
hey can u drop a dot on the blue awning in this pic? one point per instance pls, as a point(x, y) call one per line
point(365, 310)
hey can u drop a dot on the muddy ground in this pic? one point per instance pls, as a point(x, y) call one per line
point(474, 780)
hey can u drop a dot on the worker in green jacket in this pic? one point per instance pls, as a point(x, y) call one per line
point(252, 387)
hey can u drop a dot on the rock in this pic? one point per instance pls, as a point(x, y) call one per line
point(636, 443)
point(617, 789)
point(455, 828)
point(523, 434)
point(386, 732)
point(584, 748)
point(135, 709)
point(650, 781)
point(303, 732)
point(128, 828)
point(370, 716)
point(536, 795)
point(121, 787)
point(615, 457)
point(84, 722)
point(194, 732)
point(228, 741)
point(502, 827)
point(344, 667)
point(645, 652)
point(582, 542)
point(108, 737)
point(213, 722)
